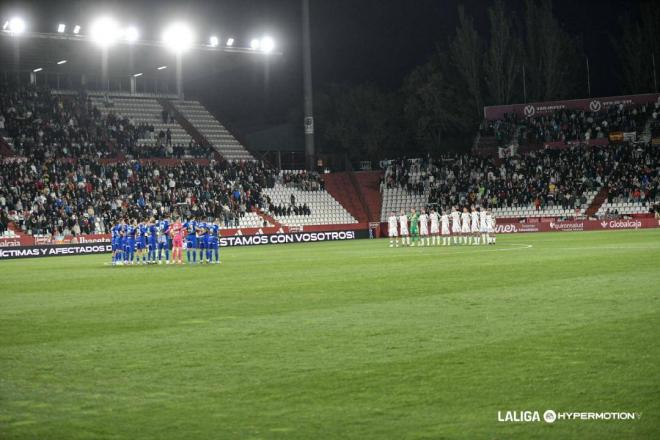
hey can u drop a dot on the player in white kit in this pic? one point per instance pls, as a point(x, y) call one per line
point(455, 224)
point(474, 226)
point(483, 226)
point(423, 228)
point(403, 223)
point(444, 219)
point(392, 226)
point(465, 226)
point(435, 226)
point(490, 227)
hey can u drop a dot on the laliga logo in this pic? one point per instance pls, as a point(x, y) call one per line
point(549, 416)
point(529, 110)
point(595, 105)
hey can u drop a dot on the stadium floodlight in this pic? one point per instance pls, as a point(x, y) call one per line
point(178, 37)
point(61, 28)
point(76, 29)
point(104, 31)
point(137, 75)
point(267, 44)
point(5, 25)
point(131, 34)
point(38, 69)
point(16, 25)
point(162, 67)
point(255, 44)
point(213, 41)
point(61, 62)
point(230, 42)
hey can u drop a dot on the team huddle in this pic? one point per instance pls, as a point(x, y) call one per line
point(475, 227)
point(148, 241)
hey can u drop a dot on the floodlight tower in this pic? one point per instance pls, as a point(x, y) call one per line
point(310, 153)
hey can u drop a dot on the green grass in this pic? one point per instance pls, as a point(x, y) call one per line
point(349, 340)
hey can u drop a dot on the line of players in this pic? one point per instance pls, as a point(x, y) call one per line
point(146, 242)
point(476, 227)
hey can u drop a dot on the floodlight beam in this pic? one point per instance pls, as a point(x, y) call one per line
point(267, 44)
point(16, 25)
point(178, 37)
point(104, 31)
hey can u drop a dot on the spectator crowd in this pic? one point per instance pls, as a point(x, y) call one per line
point(43, 125)
point(545, 178)
point(569, 125)
point(57, 184)
point(85, 196)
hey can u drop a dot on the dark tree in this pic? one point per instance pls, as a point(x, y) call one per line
point(466, 54)
point(503, 58)
point(636, 43)
point(551, 56)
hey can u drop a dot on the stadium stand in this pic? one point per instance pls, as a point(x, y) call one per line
point(141, 111)
point(634, 183)
point(565, 125)
point(85, 196)
point(47, 123)
point(212, 130)
point(299, 199)
point(70, 173)
point(545, 183)
point(42, 125)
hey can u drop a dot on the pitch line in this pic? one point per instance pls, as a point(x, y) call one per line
point(467, 249)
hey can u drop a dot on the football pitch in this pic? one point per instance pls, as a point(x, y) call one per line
point(337, 340)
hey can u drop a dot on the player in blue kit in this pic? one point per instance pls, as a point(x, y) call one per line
point(152, 240)
point(191, 241)
point(213, 249)
point(113, 241)
point(121, 239)
point(118, 242)
point(202, 240)
point(141, 243)
point(129, 242)
point(163, 241)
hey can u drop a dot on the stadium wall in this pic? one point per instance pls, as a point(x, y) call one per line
point(576, 225)
point(27, 246)
point(516, 226)
point(591, 104)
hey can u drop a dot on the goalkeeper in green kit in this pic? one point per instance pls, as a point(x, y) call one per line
point(413, 219)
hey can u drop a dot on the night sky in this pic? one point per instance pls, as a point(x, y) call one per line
point(353, 41)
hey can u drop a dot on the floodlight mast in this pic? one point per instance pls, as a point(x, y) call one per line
point(310, 153)
point(179, 38)
point(179, 74)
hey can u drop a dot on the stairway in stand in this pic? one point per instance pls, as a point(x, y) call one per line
point(270, 219)
point(340, 186)
point(5, 149)
point(187, 125)
point(368, 184)
point(597, 202)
